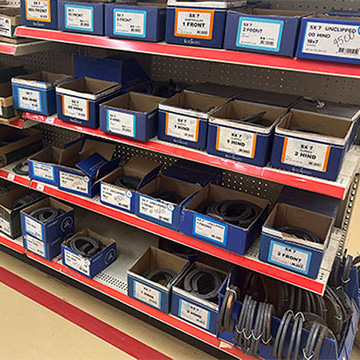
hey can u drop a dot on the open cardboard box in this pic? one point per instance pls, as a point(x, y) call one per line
point(6, 101)
point(10, 19)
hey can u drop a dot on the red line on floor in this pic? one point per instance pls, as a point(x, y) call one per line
point(80, 318)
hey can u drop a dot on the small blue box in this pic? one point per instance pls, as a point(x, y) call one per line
point(133, 115)
point(43, 249)
point(151, 292)
point(89, 267)
point(181, 124)
point(125, 198)
point(141, 21)
point(57, 228)
point(263, 31)
point(150, 207)
point(36, 92)
point(39, 13)
point(232, 138)
point(78, 100)
point(217, 232)
point(311, 144)
point(197, 23)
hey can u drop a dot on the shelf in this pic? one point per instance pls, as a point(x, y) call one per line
point(337, 189)
point(13, 244)
point(18, 123)
point(24, 49)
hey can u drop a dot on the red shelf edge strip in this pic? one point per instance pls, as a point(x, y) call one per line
point(12, 245)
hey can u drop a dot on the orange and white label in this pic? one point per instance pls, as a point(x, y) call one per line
point(306, 154)
point(194, 23)
point(38, 10)
point(182, 127)
point(75, 107)
point(236, 142)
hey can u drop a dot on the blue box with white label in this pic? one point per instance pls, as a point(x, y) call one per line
point(230, 135)
point(264, 31)
point(311, 144)
point(36, 92)
point(133, 115)
point(43, 249)
point(60, 226)
point(145, 285)
point(161, 200)
point(91, 266)
point(141, 21)
point(39, 13)
point(279, 248)
point(195, 223)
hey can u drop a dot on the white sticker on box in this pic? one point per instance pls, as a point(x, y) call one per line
point(194, 23)
point(77, 262)
point(75, 107)
point(147, 294)
point(43, 171)
point(74, 182)
point(331, 39)
point(117, 197)
point(5, 226)
point(263, 34)
point(38, 10)
point(11, 176)
point(29, 99)
point(33, 227)
point(236, 142)
point(156, 209)
point(130, 22)
point(194, 314)
point(79, 17)
point(182, 127)
point(5, 27)
point(35, 245)
point(210, 230)
point(121, 123)
point(306, 154)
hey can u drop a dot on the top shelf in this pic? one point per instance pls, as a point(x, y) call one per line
point(197, 53)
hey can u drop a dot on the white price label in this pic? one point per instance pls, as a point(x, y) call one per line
point(33, 227)
point(332, 40)
point(11, 176)
point(5, 27)
point(306, 154)
point(147, 294)
point(114, 196)
point(182, 127)
point(50, 119)
point(79, 17)
point(43, 171)
point(194, 314)
point(29, 99)
point(75, 107)
point(194, 23)
point(5, 226)
point(77, 262)
point(35, 245)
point(156, 209)
point(74, 182)
point(40, 187)
point(130, 22)
point(121, 123)
point(38, 10)
point(210, 230)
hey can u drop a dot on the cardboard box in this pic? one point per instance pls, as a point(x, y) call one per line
point(36, 92)
point(10, 19)
point(132, 115)
point(217, 232)
point(6, 101)
point(89, 267)
point(318, 154)
point(150, 292)
point(121, 197)
point(197, 23)
point(232, 138)
point(213, 89)
point(150, 207)
point(43, 249)
point(58, 228)
point(39, 13)
point(78, 100)
point(138, 21)
point(183, 119)
point(6, 186)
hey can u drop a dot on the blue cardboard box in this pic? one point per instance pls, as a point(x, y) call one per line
point(264, 31)
point(151, 207)
point(288, 251)
point(43, 249)
point(89, 267)
point(59, 227)
point(36, 92)
point(78, 101)
point(39, 13)
point(216, 232)
point(232, 138)
point(133, 115)
point(183, 118)
point(197, 23)
point(141, 21)
point(311, 144)
point(125, 198)
point(148, 291)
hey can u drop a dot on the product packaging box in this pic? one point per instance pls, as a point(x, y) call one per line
point(213, 89)
point(6, 101)
point(6, 186)
point(132, 115)
point(36, 92)
point(195, 223)
point(243, 131)
point(43, 249)
point(78, 100)
point(161, 200)
point(10, 19)
point(137, 172)
point(289, 251)
point(183, 119)
point(151, 292)
point(39, 13)
point(198, 23)
point(311, 144)
point(139, 21)
point(89, 267)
